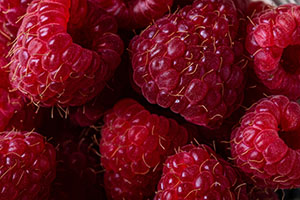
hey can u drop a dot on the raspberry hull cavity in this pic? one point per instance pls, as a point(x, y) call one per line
point(53, 64)
point(266, 145)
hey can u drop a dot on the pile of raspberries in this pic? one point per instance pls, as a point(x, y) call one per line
point(149, 100)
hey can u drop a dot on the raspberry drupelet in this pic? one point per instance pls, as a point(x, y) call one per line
point(64, 53)
point(132, 14)
point(266, 144)
point(27, 166)
point(197, 172)
point(133, 146)
point(186, 62)
point(273, 41)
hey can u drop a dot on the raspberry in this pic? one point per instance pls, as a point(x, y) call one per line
point(132, 14)
point(78, 167)
point(185, 62)
point(134, 145)
point(256, 193)
point(265, 146)
point(92, 111)
point(199, 173)
point(49, 67)
point(273, 37)
point(13, 12)
point(27, 166)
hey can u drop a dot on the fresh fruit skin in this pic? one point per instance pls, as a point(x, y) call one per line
point(197, 172)
point(78, 174)
point(27, 166)
point(49, 68)
point(186, 62)
point(256, 193)
point(265, 146)
point(273, 42)
point(12, 12)
point(132, 14)
point(133, 146)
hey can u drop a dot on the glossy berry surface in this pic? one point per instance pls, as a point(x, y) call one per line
point(265, 146)
point(196, 172)
point(273, 38)
point(27, 166)
point(186, 62)
point(49, 67)
point(133, 146)
point(132, 14)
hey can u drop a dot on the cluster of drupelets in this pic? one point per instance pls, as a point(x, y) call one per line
point(149, 99)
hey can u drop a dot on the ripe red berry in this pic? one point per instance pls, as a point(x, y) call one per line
point(132, 14)
point(186, 62)
point(198, 173)
point(133, 146)
point(27, 166)
point(273, 38)
point(266, 144)
point(49, 67)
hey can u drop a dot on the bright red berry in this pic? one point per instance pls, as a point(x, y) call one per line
point(273, 39)
point(27, 166)
point(199, 173)
point(59, 61)
point(186, 62)
point(133, 146)
point(266, 144)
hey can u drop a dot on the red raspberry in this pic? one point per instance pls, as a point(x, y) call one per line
point(185, 62)
point(49, 68)
point(89, 113)
point(134, 145)
point(266, 146)
point(27, 166)
point(256, 193)
point(199, 173)
point(132, 14)
point(78, 167)
point(13, 12)
point(273, 37)
point(15, 112)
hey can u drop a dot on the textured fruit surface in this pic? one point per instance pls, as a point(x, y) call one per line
point(273, 38)
point(132, 14)
point(186, 62)
point(91, 112)
point(266, 144)
point(15, 111)
point(196, 172)
point(133, 146)
point(49, 67)
point(12, 12)
point(256, 193)
point(27, 166)
point(78, 174)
